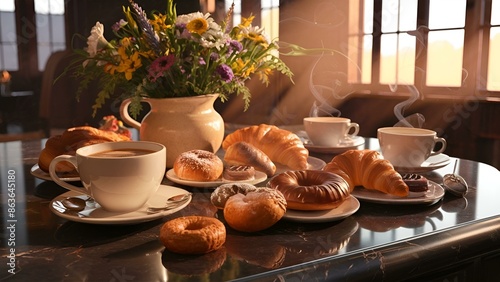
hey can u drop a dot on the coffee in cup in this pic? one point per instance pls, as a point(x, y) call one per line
point(120, 176)
point(329, 131)
point(408, 146)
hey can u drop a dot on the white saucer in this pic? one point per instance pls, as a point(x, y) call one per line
point(259, 177)
point(312, 164)
point(433, 195)
point(38, 173)
point(347, 208)
point(97, 215)
point(348, 144)
point(432, 163)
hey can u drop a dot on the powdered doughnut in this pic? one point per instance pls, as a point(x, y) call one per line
point(255, 211)
point(198, 165)
point(220, 195)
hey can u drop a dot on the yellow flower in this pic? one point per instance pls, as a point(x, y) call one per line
point(257, 38)
point(128, 65)
point(129, 18)
point(198, 25)
point(246, 22)
point(158, 22)
point(110, 68)
point(264, 74)
point(125, 42)
point(243, 68)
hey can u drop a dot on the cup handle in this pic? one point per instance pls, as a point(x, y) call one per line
point(126, 117)
point(60, 182)
point(356, 129)
point(443, 146)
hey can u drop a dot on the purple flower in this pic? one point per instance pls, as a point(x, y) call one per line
point(214, 57)
point(159, 66)
point(201, 61)
point(118, 25)
point(225, 72)
point(235, 46)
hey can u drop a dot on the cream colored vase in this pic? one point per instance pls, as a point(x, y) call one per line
point(180, 124)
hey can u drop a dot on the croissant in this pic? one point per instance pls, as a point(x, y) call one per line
point(280, 145)
point(71, 140)
point(367, 168)
point(243, 153)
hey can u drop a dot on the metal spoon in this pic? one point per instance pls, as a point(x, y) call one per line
point(75, 204)
point(455, 184)
point(172, 203)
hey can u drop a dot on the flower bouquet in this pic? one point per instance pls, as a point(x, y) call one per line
point(165, 55)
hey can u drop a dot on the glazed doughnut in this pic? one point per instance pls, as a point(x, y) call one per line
point(198, 165)
point(311, 189)
point(220, 195)
point(193, 234)
point(255, 211)
point(238, 173)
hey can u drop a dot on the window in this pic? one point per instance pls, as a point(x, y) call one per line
point(8, 39)
point(493, 80)
point(432, 44)
point(49, 29)
point(268, 17)
point(46, 34)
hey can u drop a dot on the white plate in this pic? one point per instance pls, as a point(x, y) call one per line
point(259, 177)
point(312, 164)
point(433, 195)
point(349, 144)
point(432, 163)
point(97, 215)
point(347, 208)
point(38, 173)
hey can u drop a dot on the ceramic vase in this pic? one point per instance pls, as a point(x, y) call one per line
point(180, 124)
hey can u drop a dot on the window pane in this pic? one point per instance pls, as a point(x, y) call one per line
point(8, 27)
point(390, 15)
point(366, 66)
point(493, 83)
point(388, 59)
point(408, 15)
point(50, 28)
point(406, 59)
point(236, 20)
point(54, 7)
point(397, 63)
point(7, 5)
point(8, 57)
point(270, 22)
point(8, 38)
point(495, 12)
point(446, 14)
point(444, 59)
point(58, 29)
point(368, 16)
point(43, 28)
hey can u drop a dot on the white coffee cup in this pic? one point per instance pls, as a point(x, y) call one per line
point(408, 146)
point(329, 131)
point(120, 176)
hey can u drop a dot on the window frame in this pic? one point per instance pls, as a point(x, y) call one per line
point(27, 53)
